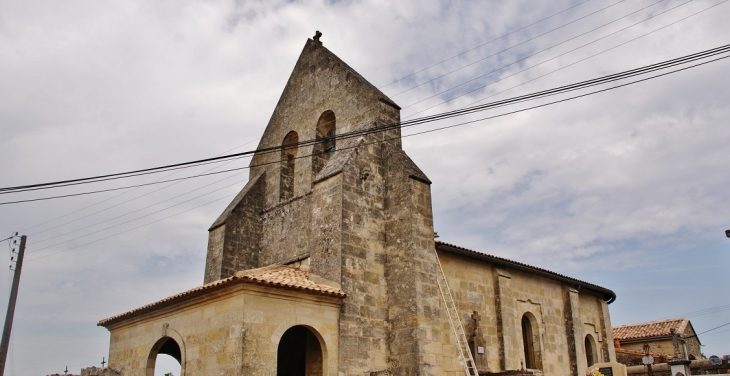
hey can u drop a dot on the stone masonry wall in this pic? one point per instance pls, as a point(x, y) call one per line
point(235, 245)
point(501, 296)
point(364, 314)
point(413, 298)
point(319, 82)
point(231, 333)
point(594, 322)
point(286, 230)
point(473, 289)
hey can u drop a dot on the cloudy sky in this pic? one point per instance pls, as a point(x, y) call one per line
point(627, 189)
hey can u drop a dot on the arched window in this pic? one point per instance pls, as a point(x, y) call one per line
point(531, 342)
point(325, 145)
point(299, 353)
point(288, 158)
point(590, 348)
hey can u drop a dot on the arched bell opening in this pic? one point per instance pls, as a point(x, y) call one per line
point(324, 146)
point(289, 151)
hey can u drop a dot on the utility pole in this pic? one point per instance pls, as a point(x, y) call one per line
point(11, 307)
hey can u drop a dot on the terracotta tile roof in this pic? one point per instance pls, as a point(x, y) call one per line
point(608, 295)
point(650, 329)
point(280, 276)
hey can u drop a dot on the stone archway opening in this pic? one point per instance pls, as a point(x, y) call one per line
point(163, 356)
point(299, 353)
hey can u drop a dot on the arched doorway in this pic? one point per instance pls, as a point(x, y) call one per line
point(299, 353)
point(166, 350)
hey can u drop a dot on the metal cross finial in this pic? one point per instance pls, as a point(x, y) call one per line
point(66, 371)
point(103, 361)
point(317, 35)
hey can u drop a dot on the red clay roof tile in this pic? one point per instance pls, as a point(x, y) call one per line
point(281, 276)
point(650, 329)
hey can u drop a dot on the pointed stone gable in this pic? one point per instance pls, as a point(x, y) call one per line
point(319, 82)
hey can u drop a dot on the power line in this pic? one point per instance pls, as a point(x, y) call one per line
point(589, 57)
point(192, 163)
point(124, 187)
point(143, 171)
point(128, 230)
point(143, 208)
point(553, 58)
point(509, 48)
point(484, 44)
point(702, 312)
point(138, 218)
point(113, 197)
point(179, 181)
point(175, 166)
point(567, 99)
point(437, 129)
point(709, 330)
point(132, 199)
point(123, 175)
point(446, 115)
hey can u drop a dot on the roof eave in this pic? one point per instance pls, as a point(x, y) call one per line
point(203, 290)
point(608, 295)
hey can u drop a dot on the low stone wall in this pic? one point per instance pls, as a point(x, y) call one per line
point(94, 371)
point(698, 367)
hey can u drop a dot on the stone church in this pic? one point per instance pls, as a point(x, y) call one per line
point(325, 263)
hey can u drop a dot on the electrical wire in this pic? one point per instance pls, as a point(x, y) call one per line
point(449, 114)
point(137, 218)
point(181, 165)
point(143, 208)
point(707, 331)
point(429, 131)
point(113, 197)
point(132, 199)
point(124, 202)
point(548, 60)
point(483, 44)
point(701, 312)
point(128, 230)
point(509, 48)
point(594, 55)
point(565, 100)
point(404, 77)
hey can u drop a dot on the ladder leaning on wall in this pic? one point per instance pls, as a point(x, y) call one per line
point(461, 342)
